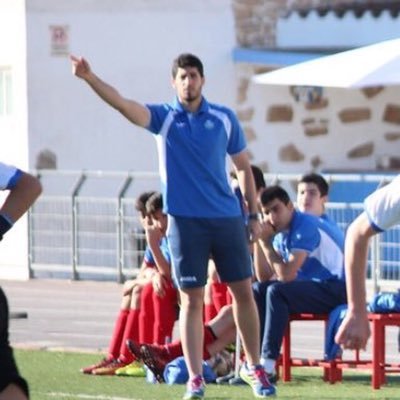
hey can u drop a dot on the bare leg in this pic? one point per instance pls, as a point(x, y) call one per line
point(246, 318)
point(191, 328)
point(224, 328)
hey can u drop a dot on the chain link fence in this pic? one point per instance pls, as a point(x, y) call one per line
point(85, 226)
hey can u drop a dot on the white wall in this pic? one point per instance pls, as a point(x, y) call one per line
point(131, 45)
point(13, 128)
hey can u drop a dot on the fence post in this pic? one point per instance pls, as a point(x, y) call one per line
point(30, 244)
point(120, 250)
point(75, 192)
point(375, 263)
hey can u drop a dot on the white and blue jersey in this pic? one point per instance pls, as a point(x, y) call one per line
point(321, 238)
point(9, 176)
point(192, 150)
point(383, 206)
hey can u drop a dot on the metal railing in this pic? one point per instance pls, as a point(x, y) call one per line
point(84, 226)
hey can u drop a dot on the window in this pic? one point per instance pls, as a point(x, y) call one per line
point(5, 91)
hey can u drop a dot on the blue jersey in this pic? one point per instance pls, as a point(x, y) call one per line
point(192, 150)
point(321, 238)
point(148, 255)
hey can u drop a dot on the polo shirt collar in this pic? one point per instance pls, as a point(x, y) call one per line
point(204, 106)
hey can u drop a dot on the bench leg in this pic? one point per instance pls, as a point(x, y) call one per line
point(378, 345)
point(286, 356)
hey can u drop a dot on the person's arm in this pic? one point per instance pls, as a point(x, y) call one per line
point(354, 331)
point(153, 237)
point(135, 112)
point(285, 271)
point(262, 270)
point(21, 196)
point(246, 183)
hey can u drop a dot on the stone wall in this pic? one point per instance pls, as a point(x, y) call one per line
point(349, 130)
point(355, 130)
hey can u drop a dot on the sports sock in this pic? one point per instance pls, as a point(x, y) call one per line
point(219, 291)
point(164, 314)
point(117, 335)
point(131, 332)
point(268, 364)
point(209, 312)
point(146, 317)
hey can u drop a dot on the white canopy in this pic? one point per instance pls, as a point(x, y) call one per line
point(374, 65)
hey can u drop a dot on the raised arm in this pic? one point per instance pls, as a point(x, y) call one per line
point(135, 112)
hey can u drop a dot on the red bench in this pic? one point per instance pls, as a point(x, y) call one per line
point(333, 369)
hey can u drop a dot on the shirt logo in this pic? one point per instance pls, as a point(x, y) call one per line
point(188, 279)
point(209, 124)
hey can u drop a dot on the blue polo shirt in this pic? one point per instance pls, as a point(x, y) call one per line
point(321, 238)
point(192, 150)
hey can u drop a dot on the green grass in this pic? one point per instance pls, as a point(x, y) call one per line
point(55, 375)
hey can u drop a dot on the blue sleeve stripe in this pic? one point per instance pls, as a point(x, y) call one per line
point(14, 179)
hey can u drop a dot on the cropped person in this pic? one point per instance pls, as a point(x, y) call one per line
point(312, 194)
point(204, 218)
point(23, 189)
point(381, 212)
point(217, 295)
point(218, 333)
point(128, 324)
point(306, 255)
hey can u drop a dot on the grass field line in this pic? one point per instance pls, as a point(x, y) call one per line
point(87, 396)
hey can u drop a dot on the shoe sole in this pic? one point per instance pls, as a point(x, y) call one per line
point(148, 360)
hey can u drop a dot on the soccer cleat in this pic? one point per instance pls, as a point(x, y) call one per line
point(110, 368)
point(257, 378)
point(103, 363)
point(195, 389)
point(134, 348)
point(155, 358)
point(134, 369)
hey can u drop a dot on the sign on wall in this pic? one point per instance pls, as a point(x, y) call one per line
point(59, 40)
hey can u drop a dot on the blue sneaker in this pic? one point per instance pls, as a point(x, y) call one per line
point(257, 378)
point(195, 389)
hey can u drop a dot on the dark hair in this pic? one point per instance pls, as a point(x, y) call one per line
point(154, 203)
point(318, 180)
point(272, 193)
point(140, 203)
point(186, 60)
point(258, 177)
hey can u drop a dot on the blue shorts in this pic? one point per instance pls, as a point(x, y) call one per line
point(193, 241)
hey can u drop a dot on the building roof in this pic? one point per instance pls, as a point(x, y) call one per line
point(358, 8)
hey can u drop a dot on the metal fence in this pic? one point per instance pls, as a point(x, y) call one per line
point(84, 226)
